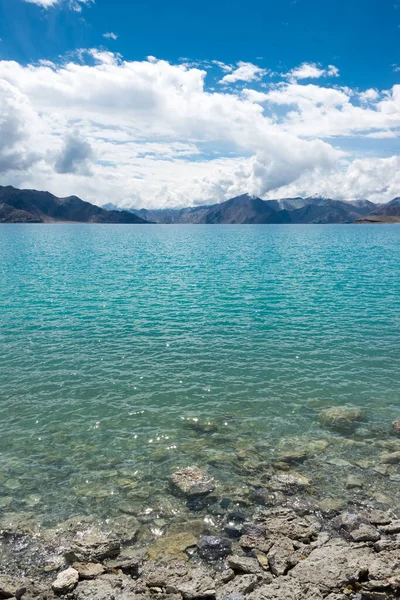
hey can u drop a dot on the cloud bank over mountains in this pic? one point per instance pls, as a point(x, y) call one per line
point(155, 134)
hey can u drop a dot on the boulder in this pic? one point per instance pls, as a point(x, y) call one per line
point(66, 581)
point(192, 481)
point(341, 418)
point(212, 548)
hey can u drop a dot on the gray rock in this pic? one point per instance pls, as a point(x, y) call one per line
point(93, 548)
point(286, 523)
point(88, 570)
point(212, 548)
point(125, 562)
point(244, 564)
point(104, 588)
point(284, 588)
point(233, 596)
point(279, 556)
point(365, 533)
point(391, 528)
point(10, 586)
point(199, 585)
point(349, 521)
point(241, 585)
point(333, 566)
point(192, 481)
point(66, 581)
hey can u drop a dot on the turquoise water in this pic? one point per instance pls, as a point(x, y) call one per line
point(111, 337)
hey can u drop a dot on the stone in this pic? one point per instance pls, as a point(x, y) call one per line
point(284, 588)
point(88, 570)
point(172, 547)
point(333, 566)
point(365, 533)
point(353, 482)
point(279, 556)
point(349, 521)
point(396, 426)
point(66, 581)
point(392, 528)
point(212, 548)
point(93, 548)
point(390, 458)
point(286, 523)
point(242, 585)
point(233, 596)
point(288, 482)
point(104, 588)
point(244, 564)
point(199, 584)
point(192, 481)
point(9, 586)
point(341, 418)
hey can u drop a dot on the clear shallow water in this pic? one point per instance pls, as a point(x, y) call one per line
point(112, 336)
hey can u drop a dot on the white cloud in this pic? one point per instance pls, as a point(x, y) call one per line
point(312, 71)
point(369, 95)
point(73, 4)
point(141, 124)
point(110, 35)
point(245, 72)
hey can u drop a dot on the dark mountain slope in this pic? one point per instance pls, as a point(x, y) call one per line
point(43, 207)
point(386, 213)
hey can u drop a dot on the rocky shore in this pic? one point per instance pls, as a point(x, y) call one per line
point(278, 537)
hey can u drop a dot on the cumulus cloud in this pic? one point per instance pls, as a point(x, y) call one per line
point(110, 35)
point(245, 72)
point(75, 156)
point(17, 122)
point(312, 71)
point(73, 4)
point(152, 134)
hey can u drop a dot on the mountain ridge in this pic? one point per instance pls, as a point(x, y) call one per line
point(33, 206)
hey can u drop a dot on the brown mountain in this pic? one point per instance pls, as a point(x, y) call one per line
point(32, 206)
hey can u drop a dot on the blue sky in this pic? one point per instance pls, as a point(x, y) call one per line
point(192, 103)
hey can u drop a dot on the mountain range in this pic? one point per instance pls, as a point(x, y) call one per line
point(247, 209)
point(32, 206)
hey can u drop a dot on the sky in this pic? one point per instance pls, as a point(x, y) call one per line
point(156, 104)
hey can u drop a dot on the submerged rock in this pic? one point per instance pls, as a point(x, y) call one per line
point(212, 548)
point(396, 426)
point(288, 482)
point(66, 581)
point(192, 481)
point(341, 418)
point(172, 547)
